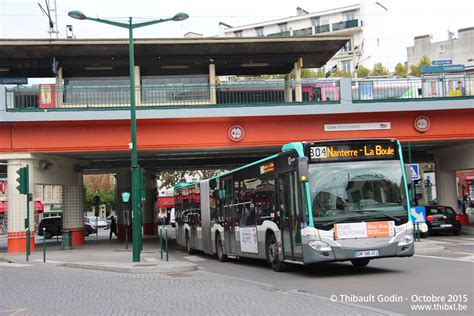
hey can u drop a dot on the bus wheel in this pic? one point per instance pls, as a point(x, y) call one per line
point(360, 262)
point(188, 244)
point(272, 255)
point(219, 250)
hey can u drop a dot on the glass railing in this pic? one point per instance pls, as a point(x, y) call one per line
point(406, 89)
point(302, 32)
point(285, 33)
point(322, 28)
point(244, 93)
point(345, 25)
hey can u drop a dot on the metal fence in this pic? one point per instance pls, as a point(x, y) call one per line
point(245, 93)
point(404, 89)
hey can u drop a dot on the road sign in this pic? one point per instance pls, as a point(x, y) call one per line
point(415, 171)
point(442, 69)
point(441, 62)
point(418, 214)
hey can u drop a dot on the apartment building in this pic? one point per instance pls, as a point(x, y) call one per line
point(360, 21)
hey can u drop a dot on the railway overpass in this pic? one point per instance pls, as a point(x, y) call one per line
point(187, 118)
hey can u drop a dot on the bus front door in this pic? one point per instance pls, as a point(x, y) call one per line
point(290, 224)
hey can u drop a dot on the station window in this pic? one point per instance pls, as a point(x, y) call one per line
point(283, 27)
point(259, 31)
point(238, 33)
point(316, 21)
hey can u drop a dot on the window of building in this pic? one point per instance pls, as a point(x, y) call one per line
point(443, 48)
point(283, 27)
point(316, 21)
point(347, 48)
point(238, 33)
point(259, 31)
point(346, 66)
point(349, 15)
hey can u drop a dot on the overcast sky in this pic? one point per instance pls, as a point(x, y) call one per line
point(24, 19)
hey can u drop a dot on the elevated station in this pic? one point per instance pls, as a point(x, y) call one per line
point(195, 110)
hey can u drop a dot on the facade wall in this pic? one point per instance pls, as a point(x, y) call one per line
point(459, 49)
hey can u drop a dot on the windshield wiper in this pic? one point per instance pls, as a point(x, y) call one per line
point(339, 220)
point(384, 214)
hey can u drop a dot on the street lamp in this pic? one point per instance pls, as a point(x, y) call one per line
point(135, 167)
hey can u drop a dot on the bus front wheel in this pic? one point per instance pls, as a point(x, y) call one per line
point(219, 250)
point(360, 262)
point(272, 255)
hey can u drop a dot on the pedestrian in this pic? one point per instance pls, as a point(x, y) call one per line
point(113, 226)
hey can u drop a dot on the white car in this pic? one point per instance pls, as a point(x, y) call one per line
point(97, 221)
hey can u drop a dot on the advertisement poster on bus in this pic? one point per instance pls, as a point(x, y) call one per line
point(248, 239)
point(364, 230)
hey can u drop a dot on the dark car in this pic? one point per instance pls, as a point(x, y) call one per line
point(54, 227)
point(442, 219)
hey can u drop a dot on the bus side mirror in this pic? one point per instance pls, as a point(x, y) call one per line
point(303, 169)
point(408, 174)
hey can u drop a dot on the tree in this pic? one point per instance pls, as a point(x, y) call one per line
point(401, 70)
point(103, 186)
point(416, 69)
point(362, 71)
point(169, 179)
point(341, 73)
point(379, 70)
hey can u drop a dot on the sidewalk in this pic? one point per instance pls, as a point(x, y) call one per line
point(104, 255)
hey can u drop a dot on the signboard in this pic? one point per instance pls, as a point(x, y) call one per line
point(47, 96)
point(267, 168)
point(442, 69)
point(353, 151)
point(248, 239)
point(236, 133)
point(364, 230)
point(422, 124)
point(357, 127)
point(441, 62)
point(415, 171)
point(13, 80)
point(418, 214)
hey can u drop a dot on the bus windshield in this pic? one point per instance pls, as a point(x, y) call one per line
point(355, 191)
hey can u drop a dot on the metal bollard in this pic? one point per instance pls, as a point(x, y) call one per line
point(44, 244)
point(27, 243)
point(166, 240)
point(161, 242)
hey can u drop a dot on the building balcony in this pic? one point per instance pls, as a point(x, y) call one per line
point(303, 32)
point(285, 33)
point(322, 29)
point(345, 25)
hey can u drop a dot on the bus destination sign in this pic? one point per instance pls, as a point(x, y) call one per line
point(354, 151)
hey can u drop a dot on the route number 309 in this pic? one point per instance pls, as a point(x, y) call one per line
point(318, 152)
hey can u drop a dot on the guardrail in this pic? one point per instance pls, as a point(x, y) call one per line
point(247, 93)
point(408, 89)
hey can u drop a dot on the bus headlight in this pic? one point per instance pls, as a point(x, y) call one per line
point(319, 245)
point(406, 240)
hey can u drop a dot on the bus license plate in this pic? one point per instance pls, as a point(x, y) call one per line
point(366, 253)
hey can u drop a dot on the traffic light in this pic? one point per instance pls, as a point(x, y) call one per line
point(22, 180)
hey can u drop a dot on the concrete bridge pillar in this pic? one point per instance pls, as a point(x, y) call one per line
point(448, 160)
point(123, 177)
point(17, 208)
point(73, 211)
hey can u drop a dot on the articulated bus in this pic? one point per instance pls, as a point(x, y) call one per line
point(313, 202)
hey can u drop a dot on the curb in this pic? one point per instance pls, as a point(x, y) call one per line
point(145, 268)
point(5, 260)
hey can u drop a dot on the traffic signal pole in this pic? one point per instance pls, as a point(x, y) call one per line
point(23, 188)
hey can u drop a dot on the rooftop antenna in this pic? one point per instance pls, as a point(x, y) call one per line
point(47, 12)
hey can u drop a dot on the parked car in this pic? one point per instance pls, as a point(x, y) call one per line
point(54, 227)
point(97, 221)
point(442, 219)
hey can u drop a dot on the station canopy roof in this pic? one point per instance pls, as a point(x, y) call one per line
point(172, 56)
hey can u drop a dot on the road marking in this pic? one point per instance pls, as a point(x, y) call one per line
point(471, 258)
point(446, 258)
point(152, 259)
point(194, 258)
point(13, 265)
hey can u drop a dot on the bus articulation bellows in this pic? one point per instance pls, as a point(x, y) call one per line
point(313, 202)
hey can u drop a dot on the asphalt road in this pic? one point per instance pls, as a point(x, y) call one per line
point(394, 284)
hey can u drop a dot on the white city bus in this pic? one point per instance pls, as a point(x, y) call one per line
point(313, 202)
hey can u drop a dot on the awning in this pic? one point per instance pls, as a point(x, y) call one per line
point(165, 202)
point(3, 206)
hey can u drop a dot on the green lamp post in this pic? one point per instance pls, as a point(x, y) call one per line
point(135, 167)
